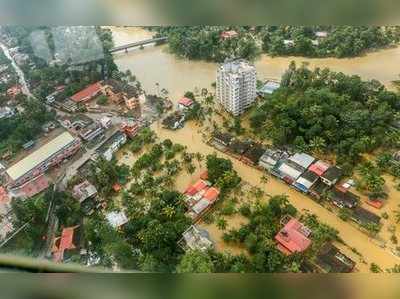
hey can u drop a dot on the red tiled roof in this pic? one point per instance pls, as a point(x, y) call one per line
point(66, 243)
point(319, 167)
point(211, 194)
point(196, 187)
point(292, 238)
point(87, 93)
point(3, 195)
point(228, 34)
point(185, 102)
point(35, 186)
point(375, 203)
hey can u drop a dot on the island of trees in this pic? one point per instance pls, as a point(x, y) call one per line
point(206, 43)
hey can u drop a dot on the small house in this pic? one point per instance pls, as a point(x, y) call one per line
point(229, 34)
point(185, 103)
point(84, 191)
point(112, 145)
point(319, 167)
point(116, 219)
point(66, 245)
point(239, 147)
point(268, 88)
point(365, 217)
point(332, 175)
point(288, 171)
point(253, 155)
point(271, 157)
point(195, 238)
point(331, 260)
point(306, 181)
point(293, 237)
point(302, 160)
point(221, 140)
point(319, 189)
point(343, 199)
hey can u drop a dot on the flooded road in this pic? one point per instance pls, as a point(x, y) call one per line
point(190, 136)
point(154, 65)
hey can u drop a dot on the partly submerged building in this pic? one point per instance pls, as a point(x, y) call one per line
point(195, 238)
point(293, 237)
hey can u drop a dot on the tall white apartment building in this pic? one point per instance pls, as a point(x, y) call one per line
point(236, 85)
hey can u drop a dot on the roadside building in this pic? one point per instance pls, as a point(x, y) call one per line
point(36, 163)
point(271, 157)
point(332, 175)
point(116, 219)
point(66, 245)
point(131, 129)
point(288, 171)
point(32, 187)
point(331, 260)
point(293, 237)
point(253, 155)
point(84, 191)
point(75, 122)
point(319, 190)
point(112, 145)
point(306, 181)
point(221, 140)
point(302, 160)
point(91, 131)
point(319, 167)
point(185, 103)
point(365, 217)
point(239, 147)
point(87, 93)
point(195, 238)
point(65, 104)
point(343, 199)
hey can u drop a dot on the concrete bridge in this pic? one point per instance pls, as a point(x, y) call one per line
point(137, 44)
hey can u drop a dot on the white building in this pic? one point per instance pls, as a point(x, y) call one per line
point(236, 85)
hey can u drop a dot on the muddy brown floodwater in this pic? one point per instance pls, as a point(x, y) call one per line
point(154, 65)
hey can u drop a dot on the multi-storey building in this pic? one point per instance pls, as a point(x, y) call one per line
point(50, 154)
point(236, 85)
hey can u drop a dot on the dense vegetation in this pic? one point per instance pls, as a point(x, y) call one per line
point(321, 111)
point(341, 41)
point(205, 42)
point(25, 126)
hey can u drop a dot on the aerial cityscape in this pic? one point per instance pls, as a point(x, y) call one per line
point(201, 149)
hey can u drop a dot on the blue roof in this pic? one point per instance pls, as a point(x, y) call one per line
point(269, 87)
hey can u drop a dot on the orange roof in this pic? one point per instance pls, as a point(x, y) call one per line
point(3, 195)
point(87, 93)
point(293, 237)
point(66, 243)
point(185, 102)
point(375, 203)
point(117, 187)
point(196, 187)
point(211, 194)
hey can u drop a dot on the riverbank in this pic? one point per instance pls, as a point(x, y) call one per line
point(154, 65)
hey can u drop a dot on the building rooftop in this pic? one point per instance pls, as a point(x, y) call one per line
point(346, 199)
point(319, 167)
point(196, 238)
point(116, 219)
point(118, 135)
point(269, 87)
point(332, 173)
point(331, 260)
point(364, 216)
point(302, 159)
point(185, 102)
point(87, 92)
point(293, 237)
point(84, 191)
point(237, 66)
point(39, 156)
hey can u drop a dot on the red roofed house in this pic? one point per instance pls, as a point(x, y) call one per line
point(185, 103)
point(14, 90)
point(4, 198)
point(228, 34)
point(88, 93)
point(195, 188)
point(319, 167)
point(199, 198)
point(64, 243)
point(293, 237)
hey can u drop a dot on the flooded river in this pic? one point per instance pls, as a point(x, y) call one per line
point(154, 65)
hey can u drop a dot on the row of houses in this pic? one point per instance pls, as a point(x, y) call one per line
point(301, 171)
